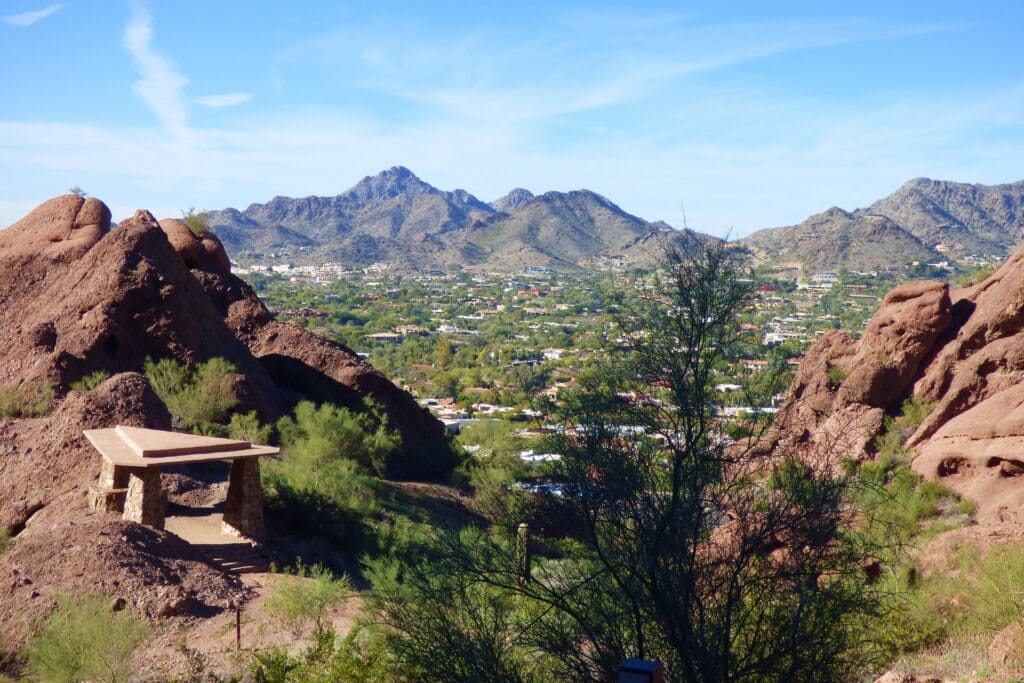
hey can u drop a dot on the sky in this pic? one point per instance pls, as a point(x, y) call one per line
point(730, 116)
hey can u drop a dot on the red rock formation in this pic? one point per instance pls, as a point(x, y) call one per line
point(843, 388)
point(962, 350)
point(77, 296)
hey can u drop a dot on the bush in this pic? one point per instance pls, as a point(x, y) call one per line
point(321, 485)
point(835, 376)
point(302, 599)
point(197, 397)
point(247, 427)
point(197, 221)
point(26, 400)
point(5, 541)
point(328, 433)
point(361, 656)
point(83, 639)
point(91, 381)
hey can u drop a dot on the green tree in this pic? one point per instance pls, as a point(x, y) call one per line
point(674, 544)
point(443, 353)
point(77, 191)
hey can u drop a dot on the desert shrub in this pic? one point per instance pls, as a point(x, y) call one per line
point(247, 427)
point(835, 376)
point(84, 640)
point(322, 485)
point(360, 656)
point(302, 599)
point(197, 221)
point(980, 274)
point(329, 433)
point(91, 381)
point(26, 400)
point(196, 396)
point(5, 541)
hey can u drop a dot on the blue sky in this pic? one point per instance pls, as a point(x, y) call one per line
point(748, 114)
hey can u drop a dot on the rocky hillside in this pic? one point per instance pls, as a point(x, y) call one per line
point(78, 297)
point(961, 351)
point(925, 220)
point(397, 218)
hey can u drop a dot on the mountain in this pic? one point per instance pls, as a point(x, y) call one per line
point(397, 218)
point(512, 201)
point(925, 220)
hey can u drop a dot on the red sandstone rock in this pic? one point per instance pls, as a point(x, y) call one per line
point(62, 228)
point(204, 251)
point(76, 297)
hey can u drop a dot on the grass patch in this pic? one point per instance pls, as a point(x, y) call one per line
point(26, 400)
point(91, 381)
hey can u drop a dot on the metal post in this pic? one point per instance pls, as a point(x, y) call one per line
point(523, 553)
point(238, 627)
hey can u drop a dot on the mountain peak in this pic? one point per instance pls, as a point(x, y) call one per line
point(513, 200)
point(390, 183)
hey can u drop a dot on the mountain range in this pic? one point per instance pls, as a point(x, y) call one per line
point(397, 218)
point(924, 220)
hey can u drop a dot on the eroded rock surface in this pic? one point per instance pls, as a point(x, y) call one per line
point(963, 351)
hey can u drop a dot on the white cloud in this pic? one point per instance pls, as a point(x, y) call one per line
point(231, 99)
point(29, 18)
point(160, 85)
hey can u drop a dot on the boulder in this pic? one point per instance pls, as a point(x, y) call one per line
point(62, 228)
point(203, 251)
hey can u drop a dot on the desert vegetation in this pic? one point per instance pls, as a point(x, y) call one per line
point(200, 397)
point(83, 639)
point(33, 399)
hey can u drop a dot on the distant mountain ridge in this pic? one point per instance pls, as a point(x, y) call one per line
point(397, 218)
point(924, 220)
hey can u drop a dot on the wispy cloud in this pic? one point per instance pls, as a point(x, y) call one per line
point(232, 99)
point(620, 60)
point(160, 85)
point(29, 18)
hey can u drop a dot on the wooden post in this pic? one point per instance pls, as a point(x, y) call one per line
point(238, 627)
point(523, 553)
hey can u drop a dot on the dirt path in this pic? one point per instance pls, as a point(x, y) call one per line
point(188, 649)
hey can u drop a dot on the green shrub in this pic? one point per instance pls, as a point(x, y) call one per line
point(84, 640)
point(835, 376)
point(321, 485)
point(197, 221)
point(91, 381)
point(362, 655)
point(5, 541)
point(302, 599)
point(195, 395)
point(329, 433)
point(26, 400)
point(247, 427)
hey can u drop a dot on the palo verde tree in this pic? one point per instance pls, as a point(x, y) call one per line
point(673, 542)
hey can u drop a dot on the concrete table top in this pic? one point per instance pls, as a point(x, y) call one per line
point(140, 447)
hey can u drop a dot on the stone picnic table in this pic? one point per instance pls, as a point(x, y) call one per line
point(130, 474)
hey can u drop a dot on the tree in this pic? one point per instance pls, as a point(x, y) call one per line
point(724, 562)
point(443, 353)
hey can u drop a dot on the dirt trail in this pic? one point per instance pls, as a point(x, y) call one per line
point(192, 647)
